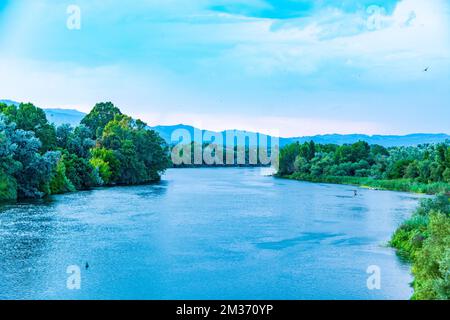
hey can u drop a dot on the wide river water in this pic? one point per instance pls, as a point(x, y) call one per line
point(206, 234)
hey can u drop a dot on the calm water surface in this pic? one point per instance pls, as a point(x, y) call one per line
point(206, 234)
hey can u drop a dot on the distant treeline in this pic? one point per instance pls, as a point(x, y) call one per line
point(107, 148)
point(195, 155)
point(425, 168)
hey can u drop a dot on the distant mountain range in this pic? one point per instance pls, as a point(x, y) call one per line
point(384, 140)
point(58, 116)
point(9, 102)
point(61, 116)
point(73, 117)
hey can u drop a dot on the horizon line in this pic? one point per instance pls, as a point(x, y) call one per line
point(251, 131)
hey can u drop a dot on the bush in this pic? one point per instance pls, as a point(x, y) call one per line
point(60, 183)
point(8, 187)
point(440, 203)
point(431, 262)
point(425, 240)
point(80, 172)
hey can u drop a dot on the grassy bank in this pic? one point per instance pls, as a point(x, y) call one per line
point(406, 185)
point(424, 240)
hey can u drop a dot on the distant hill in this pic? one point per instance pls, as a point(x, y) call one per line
point(166, 131)
point(62, 116)
point(384, 140)
point(57, 116)
point(9, 102)
point(73, 117)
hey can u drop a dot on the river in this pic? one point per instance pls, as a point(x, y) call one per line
point(223, 233)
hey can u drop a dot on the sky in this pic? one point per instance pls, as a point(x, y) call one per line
point(285, 67)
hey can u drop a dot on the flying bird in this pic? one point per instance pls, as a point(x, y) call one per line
point(426, 69)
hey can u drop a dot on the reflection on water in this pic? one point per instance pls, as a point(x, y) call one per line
point(206, 234)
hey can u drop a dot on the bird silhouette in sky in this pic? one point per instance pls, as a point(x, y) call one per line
point(426, 69)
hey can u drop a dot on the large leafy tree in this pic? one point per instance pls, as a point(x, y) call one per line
point(105, 160)
point(78, 141)
point(141, 153)
point(8, 165)
point(288, 155)
point(36, 169)
point(22, 167)
point(80, 172)
point(99, 117)
point(31, 118)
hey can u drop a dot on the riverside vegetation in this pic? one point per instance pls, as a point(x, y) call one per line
point(424, 239)
point(421, 169)
point(107, 148)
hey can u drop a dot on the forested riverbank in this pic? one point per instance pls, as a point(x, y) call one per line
point(420, 169)
point(424, 239)
point(107, 148)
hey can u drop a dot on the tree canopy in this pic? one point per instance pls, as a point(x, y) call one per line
point(107, 148)
point(99, 117)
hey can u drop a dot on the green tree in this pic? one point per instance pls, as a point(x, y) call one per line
point(288, 155)
point(80, 172)
point(64, 135)
point(142, 153)
point(31, 118)
point(430, 268)
point(59, 182)
point(106, 162)
point(99, 117)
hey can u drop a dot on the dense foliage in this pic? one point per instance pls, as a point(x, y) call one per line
point(425, 168)
point(24, 171)
point(37, 159)
point(425, 240)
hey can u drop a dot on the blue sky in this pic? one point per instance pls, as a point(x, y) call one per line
point(291, 67)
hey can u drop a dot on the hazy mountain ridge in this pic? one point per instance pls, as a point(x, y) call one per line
point(384, 140)
point(9, 102)
point(62, 116)
point(57, 116)
point(73, 117)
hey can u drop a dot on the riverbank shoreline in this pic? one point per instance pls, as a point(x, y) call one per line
point(402, 185)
